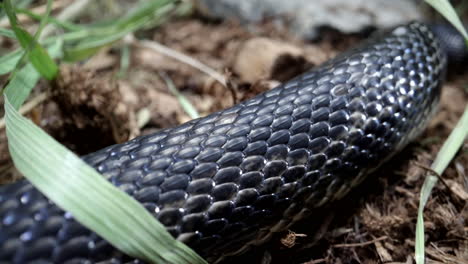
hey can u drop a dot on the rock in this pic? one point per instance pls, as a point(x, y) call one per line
point(304, 17)
point(264, 58)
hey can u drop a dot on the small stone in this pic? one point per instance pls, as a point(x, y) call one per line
point(305, 17)
point(264, 58)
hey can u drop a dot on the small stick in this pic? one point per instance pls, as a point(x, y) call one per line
point(434, 173)
point(360, 244)
point(316, 261)
point(182, 57)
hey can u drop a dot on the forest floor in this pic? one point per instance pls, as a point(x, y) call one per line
point(95, 104)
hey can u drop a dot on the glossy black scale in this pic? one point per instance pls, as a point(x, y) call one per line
point(215, 182)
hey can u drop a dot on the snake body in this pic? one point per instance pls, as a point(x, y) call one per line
point(227, 181)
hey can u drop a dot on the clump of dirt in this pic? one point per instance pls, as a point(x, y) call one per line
point(92, 109)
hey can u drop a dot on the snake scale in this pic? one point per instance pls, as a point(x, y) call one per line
point(228, 181)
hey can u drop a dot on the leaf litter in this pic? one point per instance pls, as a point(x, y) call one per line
point(91, 107)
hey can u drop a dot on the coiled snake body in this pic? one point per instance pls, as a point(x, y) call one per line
point(229, 180)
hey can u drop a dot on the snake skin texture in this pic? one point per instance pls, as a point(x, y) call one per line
point(452, 42)
point(228, 181)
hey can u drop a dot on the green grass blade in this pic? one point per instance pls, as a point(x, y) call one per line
point(145, 9)
point(64, 177)
point(7, 33)
point(21, 84)
point(23, 3)
point(63, 24)
point(43, 21)
point(78, 54)
point(102, 36)
point(183, 101)
point(35, 52)
point(446, 9)
point(23, 81)
point(445, 155)
point(451, 145)
point(73, 185)
point(124, 60)
point(9, 61)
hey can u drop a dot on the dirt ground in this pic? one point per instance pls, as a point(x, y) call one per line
point(93, 105)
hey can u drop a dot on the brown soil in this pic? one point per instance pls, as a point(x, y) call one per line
point(90, 107)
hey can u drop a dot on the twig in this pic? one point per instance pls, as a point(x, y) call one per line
point(433, 172)
point(181, 57)
point(30, 105)
point(422, 166)
point(230, 86)
point(360, 244)
point(316, 261)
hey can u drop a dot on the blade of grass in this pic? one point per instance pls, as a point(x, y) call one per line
point(450, 146)
point(63, 24)
point(27, 107)
point(145, 9)
point(35, 52)
point(183, 101)
point(71, 183)
point(99, 37)
point(26, 78)
point(81, 44)
point(43, 21)
point(445, 155)
point(8, 62)
point(7, 33)
point(69, 13)
point(23, 80)
point(23, 3)
point(124, 60)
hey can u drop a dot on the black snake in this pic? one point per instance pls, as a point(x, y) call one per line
point(227, 181)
